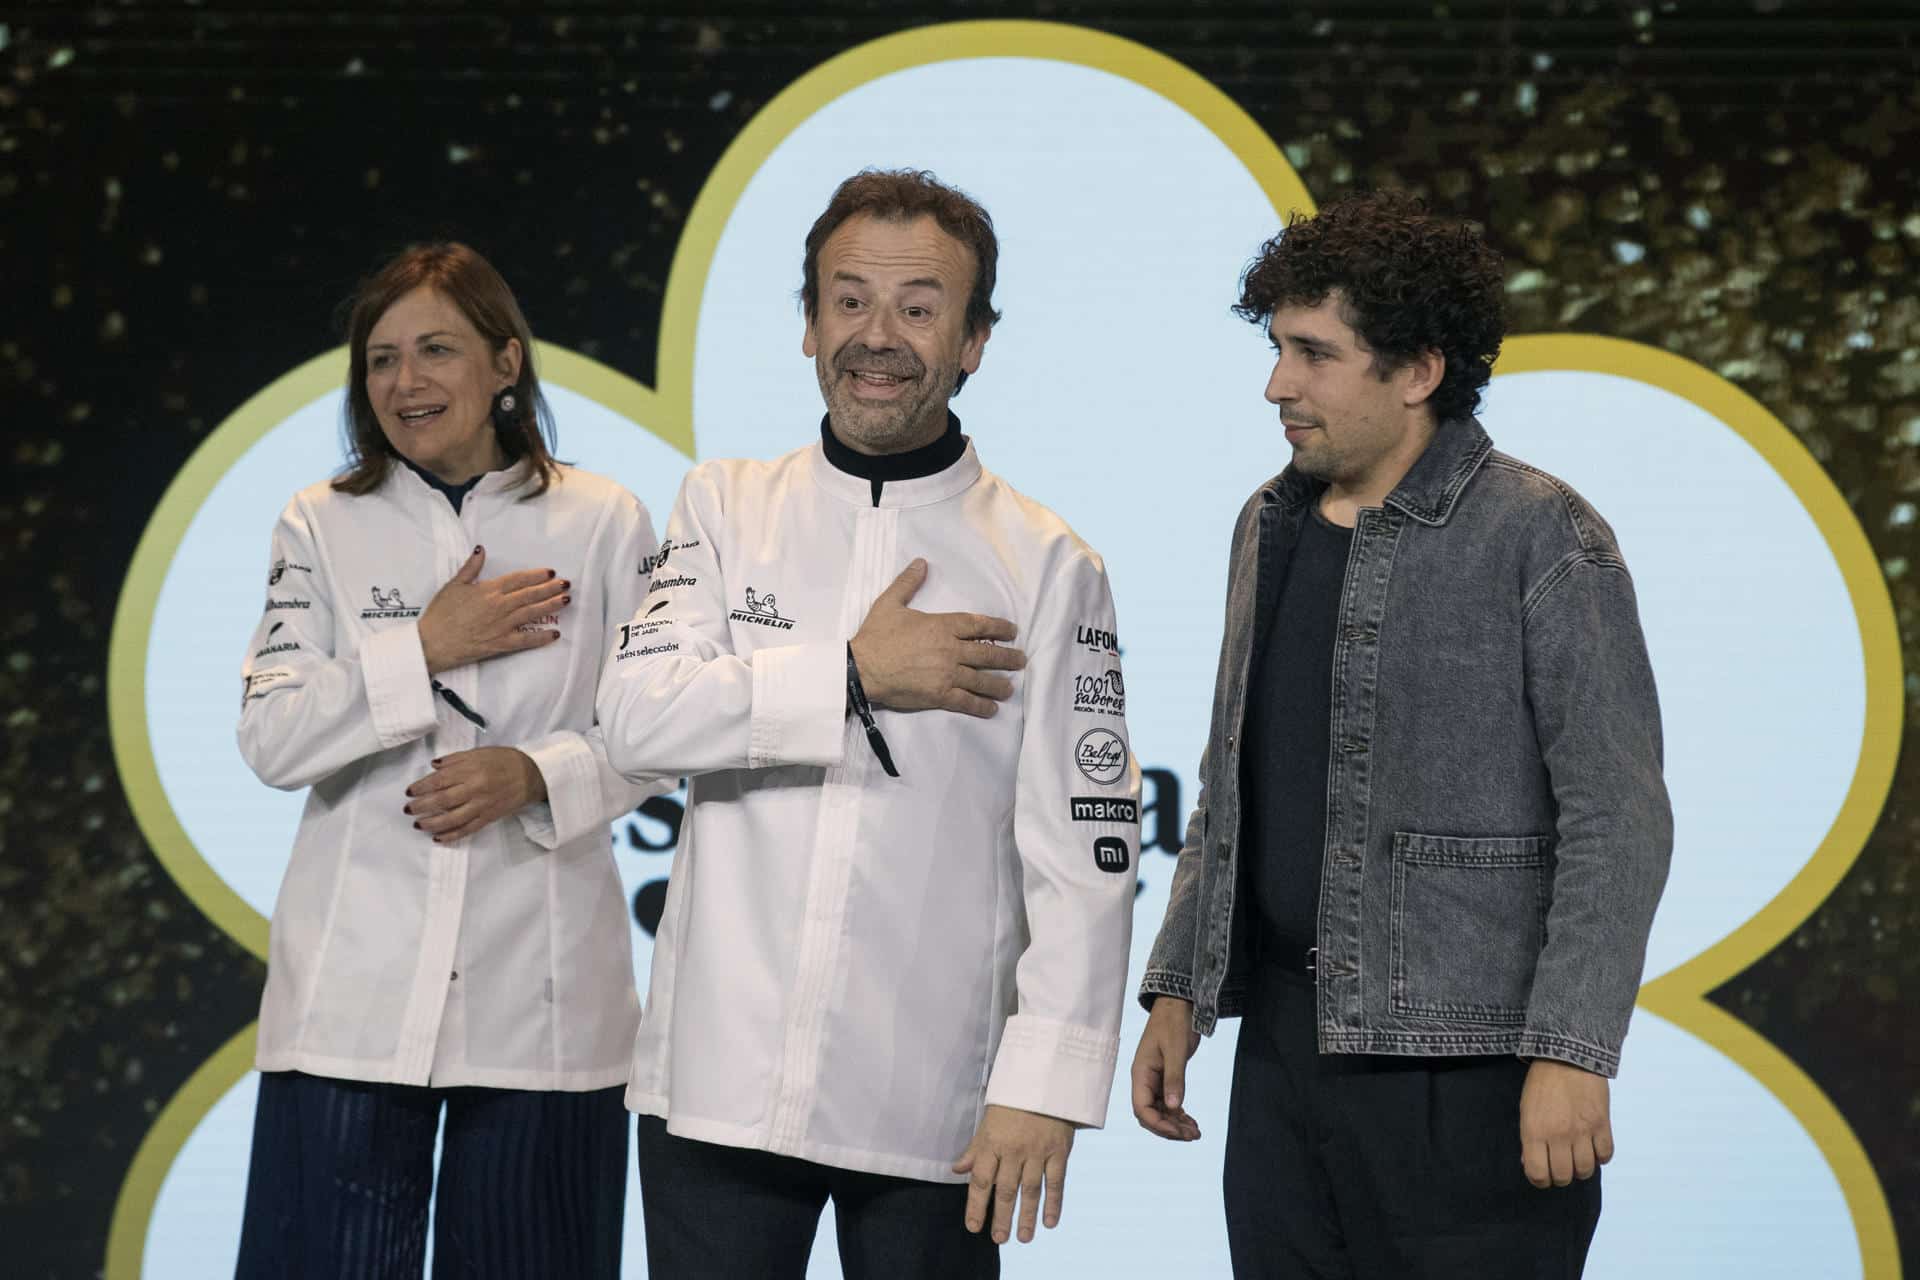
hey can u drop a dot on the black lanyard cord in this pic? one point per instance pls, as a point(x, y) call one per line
point(857, 699)
point(455, 701)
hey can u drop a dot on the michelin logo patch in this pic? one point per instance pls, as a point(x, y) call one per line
point(762, 611)
point(387, 603)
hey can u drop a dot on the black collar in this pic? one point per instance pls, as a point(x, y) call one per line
point(454, 493)
point(877, 469)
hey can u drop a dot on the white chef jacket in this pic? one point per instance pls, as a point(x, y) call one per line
point(848, 965)
point(503, 959)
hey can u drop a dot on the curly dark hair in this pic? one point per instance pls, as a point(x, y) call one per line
point(1409, 282)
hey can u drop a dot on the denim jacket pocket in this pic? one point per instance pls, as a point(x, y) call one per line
point(1469, 921)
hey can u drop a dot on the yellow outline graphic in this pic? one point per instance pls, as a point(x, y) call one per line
point(127, 1237)
point(666, 408)
point(140, 594)
point(1678, 996)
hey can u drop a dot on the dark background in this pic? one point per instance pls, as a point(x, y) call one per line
point(187, 190)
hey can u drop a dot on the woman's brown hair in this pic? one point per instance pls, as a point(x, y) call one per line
point(469, 281)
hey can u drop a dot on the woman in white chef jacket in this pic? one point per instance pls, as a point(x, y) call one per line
point(451, 931)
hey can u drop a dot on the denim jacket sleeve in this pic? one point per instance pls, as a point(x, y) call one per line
point(1191, 899)
point(1170, 963)
point(1597, 717)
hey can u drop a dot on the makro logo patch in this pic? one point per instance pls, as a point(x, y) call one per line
point(1103, 809)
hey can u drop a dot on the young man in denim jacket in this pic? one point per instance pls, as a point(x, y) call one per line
point(1432, 827)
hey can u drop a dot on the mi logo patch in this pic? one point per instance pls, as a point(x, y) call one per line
point(1110, 854)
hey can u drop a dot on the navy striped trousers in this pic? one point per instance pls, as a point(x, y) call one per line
point(531, 1183)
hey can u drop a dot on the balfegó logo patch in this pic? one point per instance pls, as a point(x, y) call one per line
point(1101, 755)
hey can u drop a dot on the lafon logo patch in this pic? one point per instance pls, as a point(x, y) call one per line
point(1051, 127)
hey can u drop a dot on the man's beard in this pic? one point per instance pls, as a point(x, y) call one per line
point(1323, 462)
point(916, 417)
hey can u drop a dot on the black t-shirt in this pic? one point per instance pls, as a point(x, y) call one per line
point(1285, 745)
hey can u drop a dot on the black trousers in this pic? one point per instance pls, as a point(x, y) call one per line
point(532, 1183)
point(725, 1212)
point(1360, 1167)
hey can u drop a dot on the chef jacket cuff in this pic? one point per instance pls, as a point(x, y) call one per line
point(799, 705)
point(1054, 1069)
point(399, 690)
point(573, 806)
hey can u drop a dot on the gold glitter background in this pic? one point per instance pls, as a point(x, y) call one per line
point(188, 189)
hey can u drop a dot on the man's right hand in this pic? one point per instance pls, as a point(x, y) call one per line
point(1160, 1070)
point(470, 621)
point(913, 661)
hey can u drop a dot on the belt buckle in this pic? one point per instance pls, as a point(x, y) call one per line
point(1313, 960)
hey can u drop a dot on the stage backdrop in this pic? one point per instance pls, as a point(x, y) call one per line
point(1129, 192)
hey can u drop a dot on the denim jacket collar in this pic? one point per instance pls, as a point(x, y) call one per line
point(1429, 489)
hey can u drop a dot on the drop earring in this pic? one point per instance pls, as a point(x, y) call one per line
point(506, 405)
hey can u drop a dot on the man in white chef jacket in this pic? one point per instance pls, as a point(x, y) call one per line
point(893, 953)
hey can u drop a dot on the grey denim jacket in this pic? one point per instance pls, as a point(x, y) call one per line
point(1498, 830)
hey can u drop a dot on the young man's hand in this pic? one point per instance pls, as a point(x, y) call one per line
point(1160, 1070)
point(1565, 1131)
